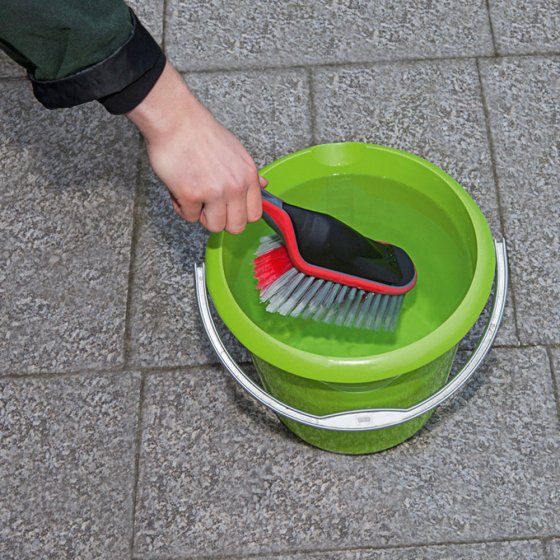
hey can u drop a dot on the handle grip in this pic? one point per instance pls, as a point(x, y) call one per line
point(271, 198)
point(372, 419)
point(273, 212)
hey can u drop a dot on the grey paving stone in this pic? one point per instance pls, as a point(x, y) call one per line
point(267, 110)
point(527, 550)
point(165, 327)
point(219, 34)
point(66, 214)
point(269, 115)
point(219, 475)
point(526, 26)
point(67, 449)
point(432, 109)
point(523, 101)
point(553, 549)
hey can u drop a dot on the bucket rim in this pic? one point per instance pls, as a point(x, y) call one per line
point(360, 369)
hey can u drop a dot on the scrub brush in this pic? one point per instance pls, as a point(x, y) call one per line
point(319, 268)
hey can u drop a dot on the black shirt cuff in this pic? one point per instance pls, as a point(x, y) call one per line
point(129, 97)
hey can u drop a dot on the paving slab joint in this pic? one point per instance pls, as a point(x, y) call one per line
point(491, 26)
point(138, 448)
point(141, 179)
point(555, 375)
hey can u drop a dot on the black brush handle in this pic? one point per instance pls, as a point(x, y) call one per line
point(271, 198)
point(267, 215)
point(327, 242)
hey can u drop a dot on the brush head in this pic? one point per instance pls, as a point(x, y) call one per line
point(320, 268)
point(329, 243)
point(290, 292)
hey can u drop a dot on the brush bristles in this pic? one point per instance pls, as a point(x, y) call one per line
point(290, 292)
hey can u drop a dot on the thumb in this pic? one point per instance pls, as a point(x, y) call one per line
point(263, 182)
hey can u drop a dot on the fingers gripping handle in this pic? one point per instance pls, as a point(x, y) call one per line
point(362, 420)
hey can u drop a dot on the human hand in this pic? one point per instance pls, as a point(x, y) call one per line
point(210, 175)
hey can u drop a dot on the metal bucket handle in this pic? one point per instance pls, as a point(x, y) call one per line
point(362, 420)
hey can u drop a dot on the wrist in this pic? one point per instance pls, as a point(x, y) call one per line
point(165, 107)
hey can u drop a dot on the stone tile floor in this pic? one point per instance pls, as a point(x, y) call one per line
point(120, 437)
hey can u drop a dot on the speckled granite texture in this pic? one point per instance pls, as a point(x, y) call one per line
point(556, 368)
point(68, 180)
point(210, 457)
point(67, 448)
point(526, 26)
point(120, 435)
point(553, 549)
point(220, 34)
point(524, 107)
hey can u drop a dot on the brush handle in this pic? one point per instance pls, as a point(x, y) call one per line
point(271, 198)
point(322, 246)
point(271, 205)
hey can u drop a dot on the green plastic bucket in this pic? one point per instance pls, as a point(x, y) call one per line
point(324, 369)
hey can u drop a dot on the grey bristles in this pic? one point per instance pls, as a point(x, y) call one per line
point(315, 303)
point(277, 285)
point(299, 295)
point(268, 243)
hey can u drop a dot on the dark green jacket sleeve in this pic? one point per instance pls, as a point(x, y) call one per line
point(81, 50)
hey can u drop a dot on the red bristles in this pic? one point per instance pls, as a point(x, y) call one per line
point(270, 266)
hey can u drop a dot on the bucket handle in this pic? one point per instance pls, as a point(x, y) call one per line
point(372, 419)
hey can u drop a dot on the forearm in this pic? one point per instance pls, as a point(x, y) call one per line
point(168, 106)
